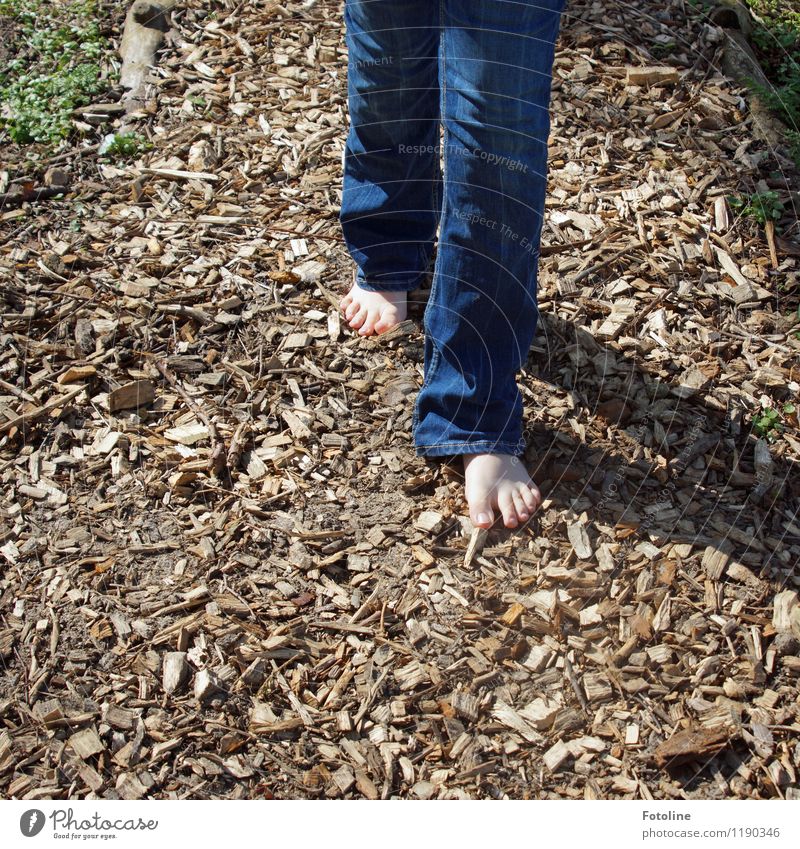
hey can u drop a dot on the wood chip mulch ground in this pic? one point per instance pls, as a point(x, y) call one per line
point(224, 572)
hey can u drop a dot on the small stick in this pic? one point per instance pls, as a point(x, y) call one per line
point(476, 543)
point(33, 415)
point(575, 684)
point(773, 250)
point(237, 444)
point(13, 199)
point(20, 393)
point(593, 268)
point(311, 236)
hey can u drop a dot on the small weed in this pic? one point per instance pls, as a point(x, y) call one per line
point(662, 49)
point(761, 206)
point(125, 146)
point(767, 424)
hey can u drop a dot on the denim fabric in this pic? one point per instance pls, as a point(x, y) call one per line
point(481, 70)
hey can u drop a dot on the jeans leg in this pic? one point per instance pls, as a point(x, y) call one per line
point(496, 71)
point(392, 187)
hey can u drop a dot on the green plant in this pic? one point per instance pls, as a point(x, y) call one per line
point(198, 101)
point(776, 40)
point(767, 424)
point(662, 49)
point(793, 139)
point(783, 98)
point(125, 146)
point(776, 11)
point(57, 49)
point(761, 206)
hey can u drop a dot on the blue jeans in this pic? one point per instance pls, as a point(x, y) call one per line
point(480, 69)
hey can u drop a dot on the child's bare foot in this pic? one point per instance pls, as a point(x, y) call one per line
point(373, 312)
point(499, 480)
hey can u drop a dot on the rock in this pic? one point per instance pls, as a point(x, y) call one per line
point(84, 335)
point(785, 643)
point(614, 411)
point(670, 203)
point(56, 177)
point(423, 789)
point(430, 521)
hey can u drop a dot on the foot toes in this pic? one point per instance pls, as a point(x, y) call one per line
point(523, 513)
point(387, 321)
point(345, 302)
point(481, 514)
point(352, 308)
point(358, 319)
point(369, 323)
point(529, 496)
point(505, 502)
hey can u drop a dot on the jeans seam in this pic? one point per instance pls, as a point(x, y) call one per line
point(435, 355)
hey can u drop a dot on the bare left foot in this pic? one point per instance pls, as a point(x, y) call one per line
point(499, 481)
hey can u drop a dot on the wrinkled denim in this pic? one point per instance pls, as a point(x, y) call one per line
point(480, 69)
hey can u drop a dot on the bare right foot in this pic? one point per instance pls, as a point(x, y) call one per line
point(499, 481)
point(373, 312)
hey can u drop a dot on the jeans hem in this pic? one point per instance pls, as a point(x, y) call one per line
point(390, 285)
point(485, 446)
point(387, 287)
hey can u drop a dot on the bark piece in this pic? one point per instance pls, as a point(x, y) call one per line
point(175, 671)
point(689, 745)
point(137, 393)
